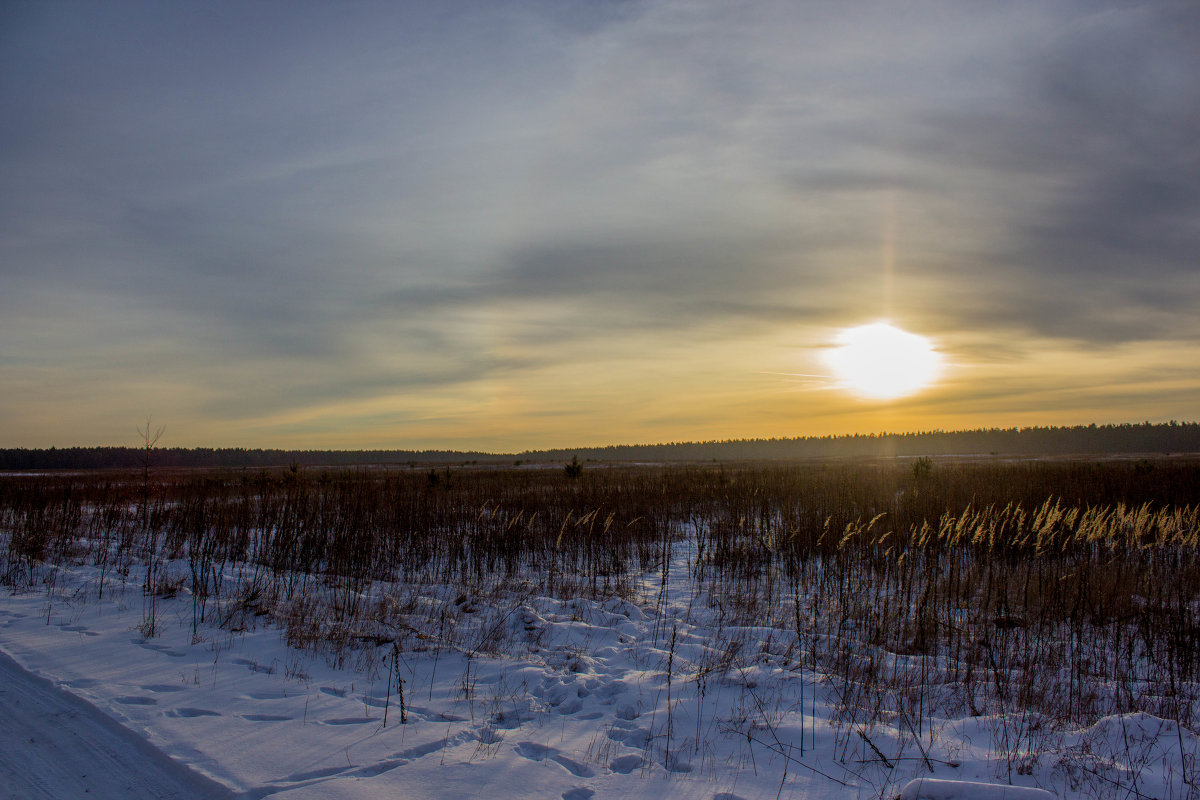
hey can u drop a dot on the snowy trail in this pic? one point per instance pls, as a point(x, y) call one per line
point(53, 745)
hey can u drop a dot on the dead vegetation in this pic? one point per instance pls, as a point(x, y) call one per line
point(1047, 594)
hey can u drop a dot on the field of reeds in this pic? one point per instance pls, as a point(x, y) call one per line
point(1045, 594)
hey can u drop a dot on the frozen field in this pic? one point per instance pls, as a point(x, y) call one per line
point(615, 698)
point(759, 631)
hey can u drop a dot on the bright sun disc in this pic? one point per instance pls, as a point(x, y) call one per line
point(881, 361)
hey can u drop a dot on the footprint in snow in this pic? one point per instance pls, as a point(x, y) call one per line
point(578, 793)
point(636, 737)
point(489, 736)
point(348, 720)
point(314, 774)
point(540, 752)
point(408, 756)
point(610, 691)
point(505, 720)
point(158, 648)
point(253, 666)
point(572, 706)
point(191, 713)
point(135, 700)
point(564, 697)
point(421, 712)
point(627, 712)
point(677, 765)
point(265, 717)
point(626, 764)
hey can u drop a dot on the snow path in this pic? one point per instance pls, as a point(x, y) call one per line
point(54, 745)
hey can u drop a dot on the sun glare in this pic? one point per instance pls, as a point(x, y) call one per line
point(883, 362)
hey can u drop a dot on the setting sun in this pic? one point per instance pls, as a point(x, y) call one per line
point(882, 361)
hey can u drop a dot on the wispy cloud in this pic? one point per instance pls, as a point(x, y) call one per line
point(243, 212)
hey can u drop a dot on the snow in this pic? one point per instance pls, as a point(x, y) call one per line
point(934, 789)
point(616, 697)
point(54, 745)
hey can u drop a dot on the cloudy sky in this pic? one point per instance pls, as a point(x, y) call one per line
point(510, 225)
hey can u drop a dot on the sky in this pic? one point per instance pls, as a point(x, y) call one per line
point(515, 225)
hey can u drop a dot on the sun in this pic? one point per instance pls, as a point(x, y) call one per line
point(882, 361)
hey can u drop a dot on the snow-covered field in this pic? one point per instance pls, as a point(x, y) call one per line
point(573, 698)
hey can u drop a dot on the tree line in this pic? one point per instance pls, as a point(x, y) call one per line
point(1127, 438)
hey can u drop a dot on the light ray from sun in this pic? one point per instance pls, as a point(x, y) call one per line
point(889, 251)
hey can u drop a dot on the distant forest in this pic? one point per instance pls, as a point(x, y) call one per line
point(1162, 438)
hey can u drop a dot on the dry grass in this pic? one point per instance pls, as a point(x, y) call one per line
point(1052, 593)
